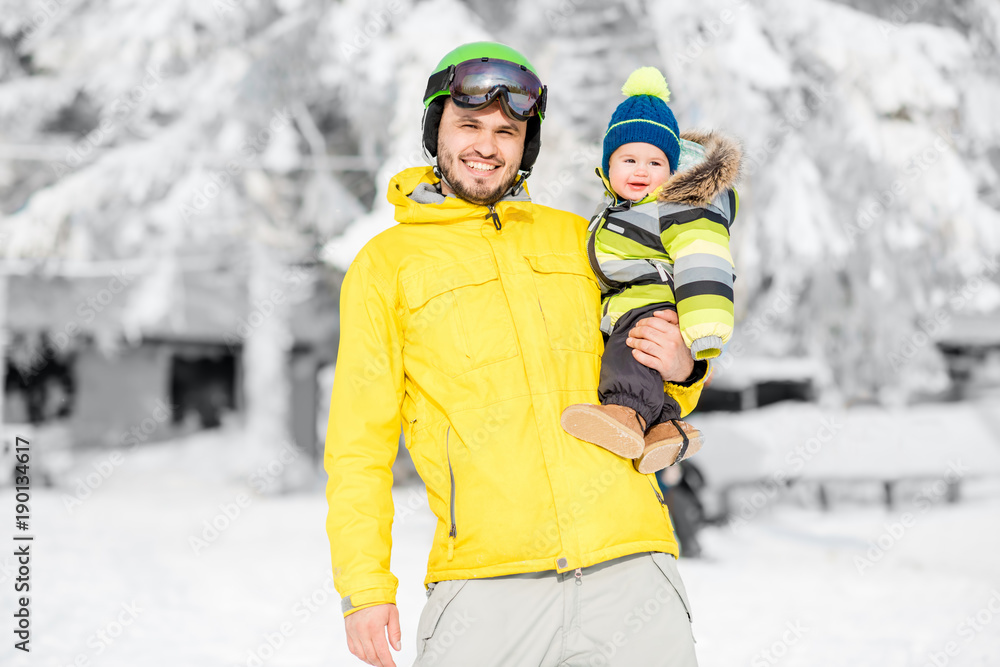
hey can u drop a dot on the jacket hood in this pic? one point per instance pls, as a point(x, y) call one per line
point(707, 179)
point(415, 194)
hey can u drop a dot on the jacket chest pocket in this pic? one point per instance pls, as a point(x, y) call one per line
point(570, 300)
point(459, 319)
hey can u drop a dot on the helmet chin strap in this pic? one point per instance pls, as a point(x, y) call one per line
point(519, 183)
point(440, 176)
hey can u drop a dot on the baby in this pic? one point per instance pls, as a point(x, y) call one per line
point(659, 242)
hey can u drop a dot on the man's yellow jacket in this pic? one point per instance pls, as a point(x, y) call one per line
point(475, 327)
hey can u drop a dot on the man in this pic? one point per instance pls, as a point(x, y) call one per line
point(475, 322)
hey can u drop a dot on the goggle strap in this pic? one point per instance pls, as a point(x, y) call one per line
point(439, 82)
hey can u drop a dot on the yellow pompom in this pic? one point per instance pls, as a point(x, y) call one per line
point(647, 81)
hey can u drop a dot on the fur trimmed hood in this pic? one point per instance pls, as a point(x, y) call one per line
point(709, 178)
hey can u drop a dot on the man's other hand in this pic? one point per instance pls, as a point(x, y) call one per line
point(656, 342)
point(366, 630)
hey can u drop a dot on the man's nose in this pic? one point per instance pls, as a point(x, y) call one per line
point(486, 144)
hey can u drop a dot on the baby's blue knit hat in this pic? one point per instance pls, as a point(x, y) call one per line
point(644, 116)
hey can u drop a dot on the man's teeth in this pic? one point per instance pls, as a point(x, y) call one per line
point(481, 166)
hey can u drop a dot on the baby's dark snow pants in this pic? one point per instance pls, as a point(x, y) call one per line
point(625, 381)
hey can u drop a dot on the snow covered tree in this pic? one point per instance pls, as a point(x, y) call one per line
point(167, 135)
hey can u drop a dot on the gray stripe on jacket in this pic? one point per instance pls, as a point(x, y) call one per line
point(627, 270)
point(699, 273)
point(702, 260)
point(642, 220)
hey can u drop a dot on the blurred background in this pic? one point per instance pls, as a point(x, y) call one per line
point(184, 183)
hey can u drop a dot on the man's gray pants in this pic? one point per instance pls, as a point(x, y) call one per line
point(627, 611)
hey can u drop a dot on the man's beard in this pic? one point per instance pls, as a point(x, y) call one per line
point(476, 193)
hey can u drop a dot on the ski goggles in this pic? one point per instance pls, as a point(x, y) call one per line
point(475, 84)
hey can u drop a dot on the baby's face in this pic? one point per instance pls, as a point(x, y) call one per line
point(636, 169)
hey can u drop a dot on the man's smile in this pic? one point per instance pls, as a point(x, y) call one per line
point(479, 167)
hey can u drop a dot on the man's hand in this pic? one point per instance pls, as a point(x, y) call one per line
point(366, 630)
point(656, 342)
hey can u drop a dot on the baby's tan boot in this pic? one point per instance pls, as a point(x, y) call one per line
point(668, 443)
point(614, 427)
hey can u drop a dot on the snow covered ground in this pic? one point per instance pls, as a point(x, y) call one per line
point(123, 579)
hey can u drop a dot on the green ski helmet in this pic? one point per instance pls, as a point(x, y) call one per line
point(477, 74)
